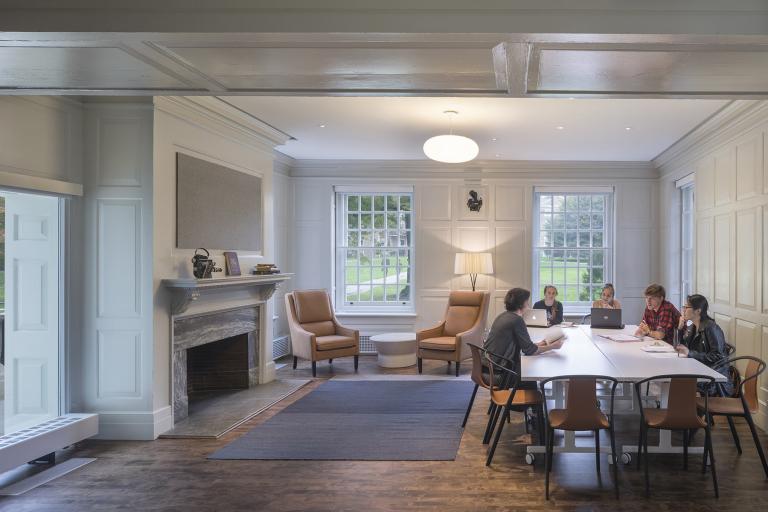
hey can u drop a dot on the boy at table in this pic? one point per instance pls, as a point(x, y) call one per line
point(660, 318)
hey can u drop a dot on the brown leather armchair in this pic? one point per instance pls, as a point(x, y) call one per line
point(315, 332)
point(465, 319)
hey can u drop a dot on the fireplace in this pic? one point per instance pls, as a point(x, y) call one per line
point(214, 351)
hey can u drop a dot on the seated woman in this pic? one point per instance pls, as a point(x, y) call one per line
point(702, 339)
point(607, 298)
point(554, 308)
point(509, 335)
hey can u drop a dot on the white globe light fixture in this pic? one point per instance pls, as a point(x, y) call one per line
point(451, 149)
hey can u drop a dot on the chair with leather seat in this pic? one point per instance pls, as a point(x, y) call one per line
point(742, 405)
point(464, 321)
point(581, 413)
point(316, 334)
point(478, 377)
point(681, 413)
point(506, 397)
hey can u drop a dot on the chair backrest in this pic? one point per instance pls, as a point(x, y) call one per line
point(755, 367)
point(463, 310)
point(682, 410)
point(509, 379)
point(582, 411)
point(314, 311)
point(477, 366)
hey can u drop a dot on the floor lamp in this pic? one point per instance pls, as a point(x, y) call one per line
point(473, 263)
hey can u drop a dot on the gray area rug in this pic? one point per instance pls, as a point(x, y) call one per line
point(215, 413)
point(362, 420)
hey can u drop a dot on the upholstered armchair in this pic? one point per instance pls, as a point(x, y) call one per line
point(464, 322)
point(315, 332)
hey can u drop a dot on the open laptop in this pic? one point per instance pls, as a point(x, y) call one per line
point(536, 318)
point(606, 318)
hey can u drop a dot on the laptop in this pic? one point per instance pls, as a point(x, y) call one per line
point(603, 318)
point(536, 318)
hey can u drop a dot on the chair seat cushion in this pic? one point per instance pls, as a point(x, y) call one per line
point(522, 397)
point(659, 418)
point(447, 343)
point(595, 419)
point(722, 405)
point(334, 342)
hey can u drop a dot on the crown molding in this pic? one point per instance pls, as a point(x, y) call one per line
point(478, 169)
point(227, 119)
point(722, 127)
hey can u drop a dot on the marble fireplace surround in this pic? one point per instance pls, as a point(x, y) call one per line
point(205, 311)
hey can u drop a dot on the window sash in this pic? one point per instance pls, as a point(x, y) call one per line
point(374, 242)
point(575, 227)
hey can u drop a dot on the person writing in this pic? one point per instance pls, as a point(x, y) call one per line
point(660, 318)
point(554, 307)
point(509, 335)
point(702, 339)
point(607, 298)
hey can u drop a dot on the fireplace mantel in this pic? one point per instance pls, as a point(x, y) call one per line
point(186, 290)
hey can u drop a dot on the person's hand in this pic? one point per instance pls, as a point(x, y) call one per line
point(556, 344)
point(682, 350)
point(681, 323)
point(643, 329)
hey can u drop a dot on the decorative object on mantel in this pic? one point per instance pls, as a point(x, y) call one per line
point(233, 264)
point(473, 264)
point(186, 290)
point(265, 269)
point(202, 265)
point(474, 203)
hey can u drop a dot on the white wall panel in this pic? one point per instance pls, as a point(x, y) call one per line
point(747, 334)
point(511, 258)
point(726, 324)
point(763, 383)
point(723, 248)
point(313, 263)
point(749, 166)
point(764, 266)
point(30, 294)
point(435, 257)
point(30, 387)
point(313, 199)
point(705, 238)
point(118, 162)
point(509, 202)
point(435, 202)
point(635, 205)
point(725, 170)
point(634, 255)
point(31, 227)
point(705, 184)
point(119, 257)
point(747, 246)
point(431, 310)
point(119, 364)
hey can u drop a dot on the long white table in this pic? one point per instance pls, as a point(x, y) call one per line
point(586, 352)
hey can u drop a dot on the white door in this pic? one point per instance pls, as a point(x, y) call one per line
point(32, 310)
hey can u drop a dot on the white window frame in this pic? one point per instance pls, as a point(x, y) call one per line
point(574, 307)
point(687, 247)
point(340, 248)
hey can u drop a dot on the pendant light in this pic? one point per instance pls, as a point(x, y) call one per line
point(451, 149)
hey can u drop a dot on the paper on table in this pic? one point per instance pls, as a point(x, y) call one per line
point(663, 347)
point(620, 337)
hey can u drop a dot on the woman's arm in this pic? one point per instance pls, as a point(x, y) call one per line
point(714, 347)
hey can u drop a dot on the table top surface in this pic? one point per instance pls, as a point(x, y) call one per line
point(587, 352)
point(393, 337)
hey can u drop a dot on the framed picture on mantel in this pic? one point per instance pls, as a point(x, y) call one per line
point(233, 264)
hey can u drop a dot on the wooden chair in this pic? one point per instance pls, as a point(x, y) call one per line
point(477, 377)
point(681, 414)
point(507, 397)
point(582, 412)
point(315, 332)
point(741, 406)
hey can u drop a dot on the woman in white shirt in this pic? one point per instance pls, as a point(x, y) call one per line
point(607, 298)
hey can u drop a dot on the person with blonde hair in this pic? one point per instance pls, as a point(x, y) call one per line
point(607, 298)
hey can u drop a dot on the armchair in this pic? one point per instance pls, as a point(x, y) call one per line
point(464, 322)
point(315, 331)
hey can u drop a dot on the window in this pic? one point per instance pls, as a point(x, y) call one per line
point(573, 245)
point(686, 242)
point(374, 249)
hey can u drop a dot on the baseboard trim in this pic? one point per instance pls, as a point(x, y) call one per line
point(134, 426)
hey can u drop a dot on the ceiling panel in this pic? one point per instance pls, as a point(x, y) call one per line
point(79, 68)
point(651, 71)
point(387, 68)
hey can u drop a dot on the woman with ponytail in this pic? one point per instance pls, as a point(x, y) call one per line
point(552, 305)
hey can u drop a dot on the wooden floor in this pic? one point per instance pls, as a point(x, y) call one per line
point(171, 474)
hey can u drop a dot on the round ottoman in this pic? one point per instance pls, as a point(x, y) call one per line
point(396, 349)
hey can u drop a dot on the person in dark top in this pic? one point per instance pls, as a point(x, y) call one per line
point(509, 335)
point(702, 339)
point(552, 305)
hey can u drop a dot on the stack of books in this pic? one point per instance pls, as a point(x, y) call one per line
point(265, 268)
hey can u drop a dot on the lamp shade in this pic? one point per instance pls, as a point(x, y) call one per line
point(451, 149)
point(473, 263)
